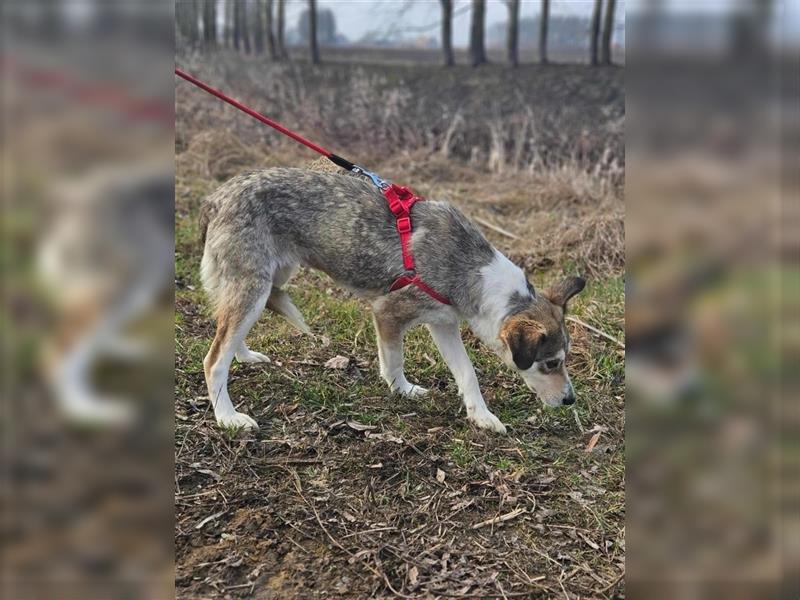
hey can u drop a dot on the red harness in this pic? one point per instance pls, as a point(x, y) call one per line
point(400, 200)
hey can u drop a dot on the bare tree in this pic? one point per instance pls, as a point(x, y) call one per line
point(244, 26)
point(595, 30)
point(237, 25)
point(608, 29)
point(512, 38)
point(210, 23)
point(447, 32)
point(270, 29)
point(258, 26)
point(194, 23)
point(544, 19)
point(281, 27)
point(477, 45)
point(188, 21)
point(228, 28)
point(312, 31)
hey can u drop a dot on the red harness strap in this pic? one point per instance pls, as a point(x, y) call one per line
point(400, 200)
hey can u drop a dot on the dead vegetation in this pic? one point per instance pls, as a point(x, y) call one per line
point(347, 491)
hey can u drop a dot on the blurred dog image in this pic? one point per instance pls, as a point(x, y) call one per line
point(103, 257)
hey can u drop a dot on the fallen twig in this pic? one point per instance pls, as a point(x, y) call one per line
point(496, 228)
point(596, 330)
point(500, 519)
point(612, 584)
point(209, 518)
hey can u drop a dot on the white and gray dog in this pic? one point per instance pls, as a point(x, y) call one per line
point(259, 227)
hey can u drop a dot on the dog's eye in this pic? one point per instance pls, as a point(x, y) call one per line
point(552, 364)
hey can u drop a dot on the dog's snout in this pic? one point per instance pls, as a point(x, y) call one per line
point(569, 400)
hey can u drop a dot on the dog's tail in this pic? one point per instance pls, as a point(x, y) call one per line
point(205, 219)
point(209, 274)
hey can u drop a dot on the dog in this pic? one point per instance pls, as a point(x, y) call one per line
point(261, 226)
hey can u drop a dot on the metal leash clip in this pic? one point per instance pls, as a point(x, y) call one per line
point(381, 183)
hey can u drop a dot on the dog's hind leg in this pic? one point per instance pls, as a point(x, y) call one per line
point(280, 302)
point(235, 316)
point(389, 334)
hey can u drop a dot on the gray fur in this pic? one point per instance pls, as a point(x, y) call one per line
point(261, 221)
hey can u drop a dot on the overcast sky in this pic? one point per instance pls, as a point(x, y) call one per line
point(355, 18)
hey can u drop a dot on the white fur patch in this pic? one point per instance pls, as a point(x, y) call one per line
point(501, 279)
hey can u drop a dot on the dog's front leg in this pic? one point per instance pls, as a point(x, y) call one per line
point(448, 340)
point(390, 355)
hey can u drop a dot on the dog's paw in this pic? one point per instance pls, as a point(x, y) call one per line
point(250, 356)
point(404, 388)
point(414, 391)
point(486, 420)
point(237, 420)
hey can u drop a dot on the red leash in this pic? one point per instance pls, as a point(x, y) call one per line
point(400, 199)
point(338, 160)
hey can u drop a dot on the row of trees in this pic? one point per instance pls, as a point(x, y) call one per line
point(253, 26)
point(477, 45)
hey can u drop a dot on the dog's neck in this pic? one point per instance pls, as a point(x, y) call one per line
point(503, 285)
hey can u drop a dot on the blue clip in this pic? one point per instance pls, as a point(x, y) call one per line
point(380, 183)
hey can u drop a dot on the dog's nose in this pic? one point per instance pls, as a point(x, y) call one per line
point(569, 400)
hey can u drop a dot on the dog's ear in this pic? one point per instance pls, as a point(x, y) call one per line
point(560, 293)
point(522, 335)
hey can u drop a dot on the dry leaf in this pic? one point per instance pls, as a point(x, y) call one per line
point(337, 362)
point(387, 437)
point(413, 575)
point(593, 442)
point(440, 475)
point(360, 426)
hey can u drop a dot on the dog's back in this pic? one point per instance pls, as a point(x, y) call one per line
point(338, 224)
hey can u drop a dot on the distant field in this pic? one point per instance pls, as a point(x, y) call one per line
point(416, 56)
point(346, 491)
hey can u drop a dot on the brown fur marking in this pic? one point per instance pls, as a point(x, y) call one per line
point(521, 326)
point(223, 330)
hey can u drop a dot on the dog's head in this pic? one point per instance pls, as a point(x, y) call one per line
point(535, 342)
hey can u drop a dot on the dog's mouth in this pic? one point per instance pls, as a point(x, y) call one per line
point(556, 402)
point(565, 398)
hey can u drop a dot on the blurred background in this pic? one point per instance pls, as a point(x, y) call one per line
point(711, 239)
point(88, 188)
